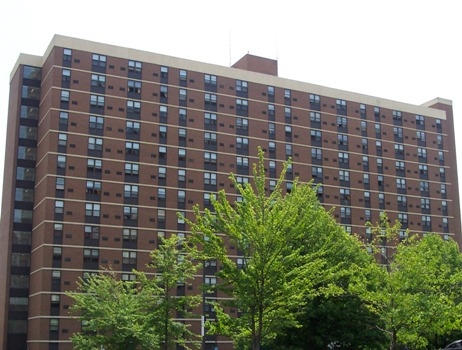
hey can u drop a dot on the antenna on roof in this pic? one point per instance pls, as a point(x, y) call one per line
point(230, 47)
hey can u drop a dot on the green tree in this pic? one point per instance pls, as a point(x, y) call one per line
point(269, 282)
point(342, 317)
point(174, 264)
point(419, 293)
point(113, 314)
point(139, 314)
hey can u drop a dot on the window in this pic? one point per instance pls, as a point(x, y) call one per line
point(164, 72)
point(210, 118)
point(210, 79)
point(183, 95)
point(421, 136)
point(98, 80)
point(134, 66)
point(442, 173)
point(62, 140)
point(66, 75)
point(182, 114)
point(242, 143)
point(367, 215)
point(423, 169)
point(210, 158)
point(54, 325)
point(181, 154)
point(134, 86)
point(363, 126)
point(288, 130)
point(161, 193)
point(65, 96)
point(364, 144)
point(397, 115)
point(344, 175)
point(399, 165)
point(132, 148)
point(316, 172)
point(365, 161)
point(316, 153)
point(93, 187)
point(425, 203)
point(403, 218)
point(183, 75)
point(401, 183)
point(420, 120)
point(210, 179)
point(272, 166)
point(128, 257)
point(60, 183)
point(61, 162)
point(181, 175)
point(378, 145)
point(272, 185)
point(271, 146)
point(162, 173)
point(422, 153)
point(441, 156)
point(130, 213)
point(379, 164)
point(270, 91)
point(315, 117)
point(402, 201)
point(95, 123)
point(287, 94)
point(67, 54)
point(367, 197)
point(381, 198)
point(342, 122)
point(345, 213)
point(398, 133)
point(315, 100)
point(92, 209)
point(210, 280)
point(131, 191)
point(242, 162)
point(424, 186)
point(345, 194)
point(132, 128)
point(443, 189)
point(287, 112)
point(316, 135)
point(91, 232)
point(129, 234)
point(181, 196)
point(181, 134)
point(343, 157)
point(90, 255)
point(132, 169)
point(242, 123)
point(426, 220)
point(27, 195)
point(399, 149)
point(97, 101)
point(63, 118)
point(377, 128)
point(59, 207)
point(362, 110)
point(241, 86)
point(161, 215)
point(271, 111)
point(341, 105)
point(242, 106)
point(98, 60)
point(95, 144)
point(342, 140)
point(210, 100)
point(163, 92)
point(133, 107)
point(94, 165)
point(162, 131)
point(210, 138)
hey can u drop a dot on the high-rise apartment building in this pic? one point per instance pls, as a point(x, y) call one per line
point(106, 144)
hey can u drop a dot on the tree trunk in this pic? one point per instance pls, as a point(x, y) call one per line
point(393, 345)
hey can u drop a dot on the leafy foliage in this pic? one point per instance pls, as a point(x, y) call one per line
point(277, 271)
point(140, 314)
